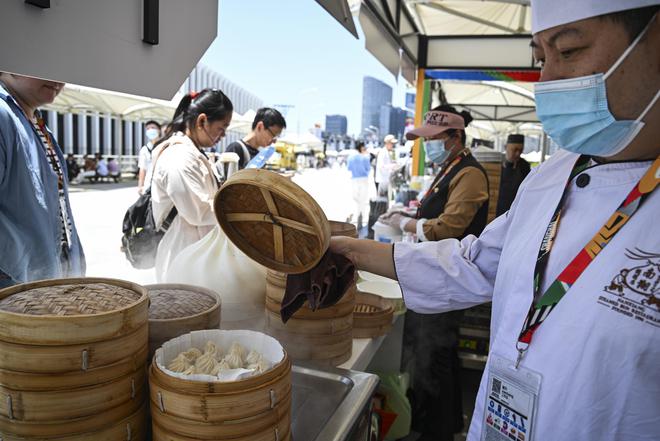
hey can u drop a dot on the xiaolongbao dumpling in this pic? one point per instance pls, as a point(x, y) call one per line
point(260, 367)
point(253, 357)
point(179, 364)
point(234, 360)
point(213, 349)
point(205, 364)
point(238, 350)
point(192, 354)
point(190, 370)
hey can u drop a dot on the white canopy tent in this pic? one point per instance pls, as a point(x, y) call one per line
point(79, 99)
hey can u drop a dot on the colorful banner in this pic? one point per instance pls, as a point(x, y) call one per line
point(484, 75)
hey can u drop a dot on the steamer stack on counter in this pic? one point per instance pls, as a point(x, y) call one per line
point(491, 161)
point(257, 408)
point(73, 356)
point(324, 336)
point(279, 225)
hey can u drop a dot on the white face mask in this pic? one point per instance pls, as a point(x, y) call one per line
point(151, 134)
point(575, 113)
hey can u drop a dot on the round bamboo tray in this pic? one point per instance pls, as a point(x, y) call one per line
point(69, 428)
point(177, 309)
point(263, 424)
point(70, 404)
point(131, 428)
point(372, 316)
point(343, 229)
point(332, 326)
point(78, 358)
point(83, 315)
point(330, 350)
point(274, 434)
point(26, 381)
point(272, 220)
point(217, 406)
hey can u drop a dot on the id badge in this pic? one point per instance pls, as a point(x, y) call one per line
point(511, 402)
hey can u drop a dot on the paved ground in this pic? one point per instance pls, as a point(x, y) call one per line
point(99, 209)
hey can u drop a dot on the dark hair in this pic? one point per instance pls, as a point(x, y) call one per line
point(467, 119)
point(155, 123)
point(270, 117)
point(633, 20)
point(359, 145)
point(211, 102)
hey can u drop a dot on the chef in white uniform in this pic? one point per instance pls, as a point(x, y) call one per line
point(584, 365)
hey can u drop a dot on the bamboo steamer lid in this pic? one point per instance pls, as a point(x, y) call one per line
point(272, 220)
point(71, 311)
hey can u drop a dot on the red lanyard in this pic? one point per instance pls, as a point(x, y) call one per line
point(540, 310)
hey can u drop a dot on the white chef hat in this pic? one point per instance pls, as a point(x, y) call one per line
point(547, 14)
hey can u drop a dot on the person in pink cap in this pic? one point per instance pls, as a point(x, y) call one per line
point(454, 206)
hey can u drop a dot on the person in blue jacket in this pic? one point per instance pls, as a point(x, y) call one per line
point(38, 237)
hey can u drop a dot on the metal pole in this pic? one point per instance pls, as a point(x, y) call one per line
point(544, 146)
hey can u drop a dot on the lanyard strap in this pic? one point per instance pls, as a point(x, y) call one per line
point(541, 309)
point(444, 173)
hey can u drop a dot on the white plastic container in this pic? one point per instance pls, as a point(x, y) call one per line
point(386, 234)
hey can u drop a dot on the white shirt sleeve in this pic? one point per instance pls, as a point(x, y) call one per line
point(449, 274)
point(143, 158)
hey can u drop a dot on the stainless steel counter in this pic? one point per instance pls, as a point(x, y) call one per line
point(330, 404)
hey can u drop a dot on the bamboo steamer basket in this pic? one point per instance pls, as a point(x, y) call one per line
point(177, 309)
point(272, 220)
point(107, 318)
point(72, 358)
point(252, 408)
point(372, 316)
point(132, 427)
point(27, 381)
point(72, 427)
point(72, 403)
point(63, 359)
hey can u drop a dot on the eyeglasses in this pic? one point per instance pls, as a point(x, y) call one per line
point(272, 134)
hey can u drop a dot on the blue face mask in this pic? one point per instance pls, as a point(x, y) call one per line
point(435, 150)
point(576, 115)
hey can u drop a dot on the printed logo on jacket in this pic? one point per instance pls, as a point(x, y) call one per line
point(635, 290)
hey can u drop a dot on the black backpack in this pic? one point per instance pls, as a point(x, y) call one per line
point(141, 237)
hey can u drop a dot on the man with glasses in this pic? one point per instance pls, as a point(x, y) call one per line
point(266, 127)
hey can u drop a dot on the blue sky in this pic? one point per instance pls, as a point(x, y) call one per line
point(293, 52)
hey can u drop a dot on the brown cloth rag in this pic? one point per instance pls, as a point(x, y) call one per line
point(322, 286)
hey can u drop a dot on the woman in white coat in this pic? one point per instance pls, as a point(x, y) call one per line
point(183, 177)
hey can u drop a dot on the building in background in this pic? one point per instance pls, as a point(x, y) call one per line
point(392, 121)
point(336, 125)
point(375, 94)
point(92, 132)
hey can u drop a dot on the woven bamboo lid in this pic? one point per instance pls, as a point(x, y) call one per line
point(71, 311)
point(173, 301)
point(272, 220)
point(73, 299)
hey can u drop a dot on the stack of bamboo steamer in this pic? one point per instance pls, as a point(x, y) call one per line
point(324, 336)
point(491, 161)
point(257, 408)
point(73, 358)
